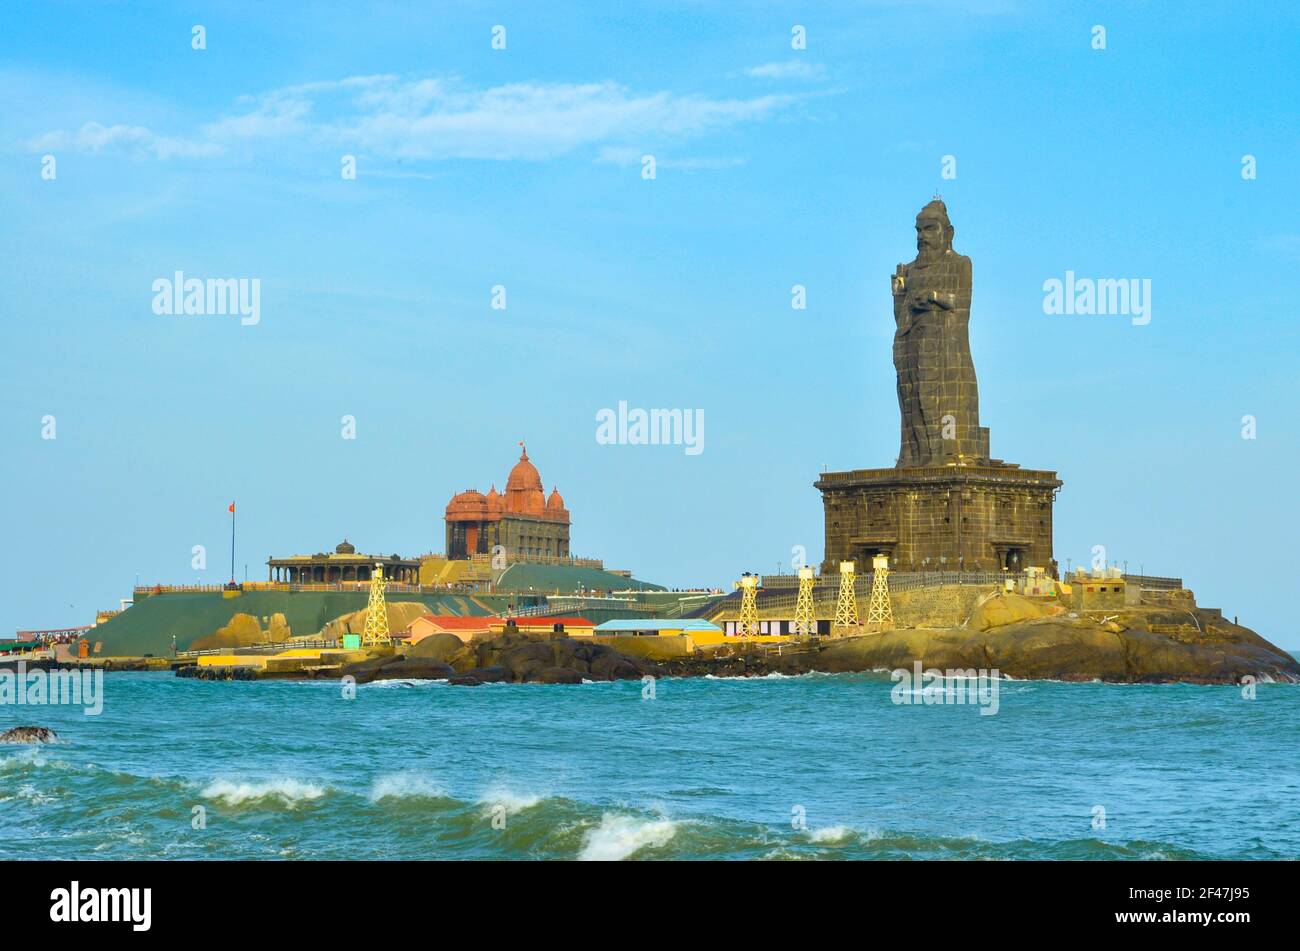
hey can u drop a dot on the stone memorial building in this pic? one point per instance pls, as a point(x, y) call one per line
point(524, 522)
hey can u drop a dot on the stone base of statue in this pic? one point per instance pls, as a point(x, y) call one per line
point(940, 518)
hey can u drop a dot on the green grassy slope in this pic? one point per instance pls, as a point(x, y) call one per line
point(147, 627)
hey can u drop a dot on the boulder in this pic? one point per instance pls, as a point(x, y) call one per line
point(611, 665)
point(441, 647)
point(528, 659)
point(242, 630)
point(1005, 608)
point(1063, 648)
point(414, 668)
point(277, 629)
point(366, 670)
point(489, 675)
point(479, 676)
point(29, 734)
point(556, 675)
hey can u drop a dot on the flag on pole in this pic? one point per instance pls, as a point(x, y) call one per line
point(232, 508)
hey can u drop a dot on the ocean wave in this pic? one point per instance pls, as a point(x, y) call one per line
point(288, 791)
point(830, 835)
point(404, 683)
point(513, 803)
point(621, 837)
point(774, 675)
point(405, 786)
point(24, 759)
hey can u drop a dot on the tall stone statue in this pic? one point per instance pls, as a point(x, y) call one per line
point(937, 393)
point(944, 505)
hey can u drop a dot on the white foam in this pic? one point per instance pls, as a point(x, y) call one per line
point(620, 837)
point(289, 791)
point(24, 756)
point(405, 786)
point(513, 803)
point(404, 683)
point(830, 835)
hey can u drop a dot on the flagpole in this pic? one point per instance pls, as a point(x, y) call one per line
point(232, 542)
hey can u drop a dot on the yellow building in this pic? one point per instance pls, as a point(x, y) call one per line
point(546, 624)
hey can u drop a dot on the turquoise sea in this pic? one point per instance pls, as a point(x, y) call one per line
point(820, 766)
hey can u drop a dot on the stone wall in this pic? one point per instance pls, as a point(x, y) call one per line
point(951, 517)
point(948, 606)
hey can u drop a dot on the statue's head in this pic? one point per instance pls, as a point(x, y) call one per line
point(933, 229)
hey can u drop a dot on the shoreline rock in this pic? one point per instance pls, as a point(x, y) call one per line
point(29, 734)
point(1058, 647)
point(1129, 646)
point(506, 658)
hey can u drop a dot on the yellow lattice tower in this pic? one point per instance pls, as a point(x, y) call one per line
point(376, 630)
point(880, 616)
point(747, 625)
point(846, 606)
point(805, 621)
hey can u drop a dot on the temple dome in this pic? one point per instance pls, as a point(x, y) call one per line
point(555, 503)
point(524, 476)
point(345, 547)
point(524, 488)
point(468, 504)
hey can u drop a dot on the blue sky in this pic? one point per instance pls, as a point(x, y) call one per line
point(521, 167)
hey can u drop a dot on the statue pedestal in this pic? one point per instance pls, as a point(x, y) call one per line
point(940, 518)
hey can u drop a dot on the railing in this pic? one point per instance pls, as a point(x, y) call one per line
point(52, 632)
point(534, 610)
point(320, 644)
point(681, 605)
point(577, 604)
point(355, 586)
point(521, 558)
point(1153, 582)
point(826, 590)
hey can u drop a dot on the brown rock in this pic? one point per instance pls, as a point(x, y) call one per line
point(1005, 608)
point(29, 734)
point(242, 630)
point(366, 670)
point(441, 647)
point(1061, 648)
point(414, 668)
point(556, 675)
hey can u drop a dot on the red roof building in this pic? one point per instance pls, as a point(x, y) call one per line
point(465, 628)
point(520, 524)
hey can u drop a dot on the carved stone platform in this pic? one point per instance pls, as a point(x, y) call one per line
point(937, 518)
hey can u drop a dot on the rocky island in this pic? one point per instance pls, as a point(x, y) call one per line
point(960, 628)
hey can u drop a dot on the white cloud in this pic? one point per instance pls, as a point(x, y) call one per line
point(94, 137)
point(790, 69)
point(625, 155)
point(440, 119)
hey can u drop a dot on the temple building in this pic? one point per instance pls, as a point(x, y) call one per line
point(344, 564)
point(525, 522)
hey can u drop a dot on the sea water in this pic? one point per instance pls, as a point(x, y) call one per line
point(818, 766)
